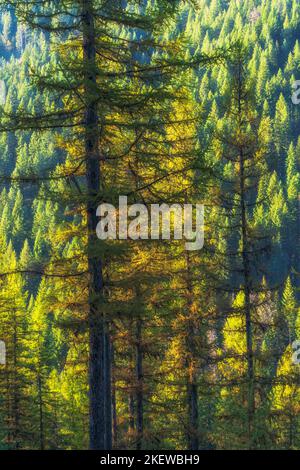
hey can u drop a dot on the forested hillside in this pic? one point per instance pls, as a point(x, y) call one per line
point(193, 105)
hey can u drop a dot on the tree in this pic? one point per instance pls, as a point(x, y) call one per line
point(239, 165)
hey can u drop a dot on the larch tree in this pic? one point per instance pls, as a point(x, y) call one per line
point(101, 49)
point(239, 164)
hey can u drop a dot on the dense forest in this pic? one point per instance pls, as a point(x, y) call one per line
point(143, 344)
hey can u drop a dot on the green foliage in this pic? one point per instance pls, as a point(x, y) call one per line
point(44, 388)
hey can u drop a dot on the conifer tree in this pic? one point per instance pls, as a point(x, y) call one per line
point(242, 151)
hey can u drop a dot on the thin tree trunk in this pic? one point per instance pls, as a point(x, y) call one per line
point(131, 411)
point(114, 399)
point(247, 290)
point(139, 391)
point(15, 407)
point(192, 387)
point(108, 394)
point(247, 279)
point(41, 414)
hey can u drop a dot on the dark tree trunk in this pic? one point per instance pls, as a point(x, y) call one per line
point(192, 391)
point(15, 391)
point(246, 273)
point(131, 411)
point(114, 399)
point(108, 394)
point(97, 356)
point(139, 392)
point(41, 414)
point(192, 386)
point(247, 290)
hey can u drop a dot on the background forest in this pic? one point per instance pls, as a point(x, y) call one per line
point(188, 105)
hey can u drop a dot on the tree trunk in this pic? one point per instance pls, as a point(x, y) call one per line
point(97, 356)
point(16, 387)
point(246, 275)
point(41, 414)
point(139, 391)
point(247, 291)
point(192, 391)
point(192, 387)
point(131, 411)
point(114, 399)
point(108, 394)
